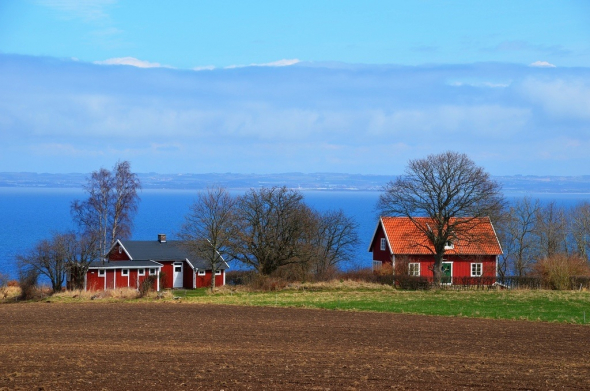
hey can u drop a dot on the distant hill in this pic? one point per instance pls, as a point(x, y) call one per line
point(313, 181)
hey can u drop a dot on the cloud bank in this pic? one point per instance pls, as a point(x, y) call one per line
point(64, 116)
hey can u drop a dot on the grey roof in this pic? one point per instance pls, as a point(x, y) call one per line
point(172, 250)
point(123, 264)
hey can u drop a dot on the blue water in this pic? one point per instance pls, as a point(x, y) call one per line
point(28, 215)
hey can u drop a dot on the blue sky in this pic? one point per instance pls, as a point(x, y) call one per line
point(266, 86)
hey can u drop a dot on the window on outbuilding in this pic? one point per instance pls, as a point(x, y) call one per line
point(153, 271)
point(124, 272)
point(383, 244)
point(101, 272)
point(217, 272)
point(141, 272)
point(377, 265)
point(201, 272)
point(414, 269)
point(476, 270)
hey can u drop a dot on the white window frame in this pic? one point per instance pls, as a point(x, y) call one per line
point(217, 272)
point(125, 272)
point(383, 244)
point(477, 265)
point(102, 272)
point(201, 272)
point(377, 265)
point(141, 272)
point(414, 269)
point(153, 271)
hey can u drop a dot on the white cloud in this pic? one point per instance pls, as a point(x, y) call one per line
point(204, 68)
point(542, 64)
point(280, 63)
point(131, 61)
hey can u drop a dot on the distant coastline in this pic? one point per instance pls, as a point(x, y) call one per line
point(302, 181)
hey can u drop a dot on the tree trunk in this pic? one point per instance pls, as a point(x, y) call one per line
point(437, 270)
point(213, 270)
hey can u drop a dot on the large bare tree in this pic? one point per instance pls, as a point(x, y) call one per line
point(112, 202)
point(272, 229)
point(551, 230)
point(580, 228)
point(518, 235)
point(48, 258)
point(209, 227)
point(334, 238)
point(449, 189)
point(80, 250)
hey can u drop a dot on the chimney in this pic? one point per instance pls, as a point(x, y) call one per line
point(162, 238)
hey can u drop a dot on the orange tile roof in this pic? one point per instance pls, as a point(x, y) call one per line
point(405, 238)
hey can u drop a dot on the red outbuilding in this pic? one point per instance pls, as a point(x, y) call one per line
point(129, 262)
point(471, 259)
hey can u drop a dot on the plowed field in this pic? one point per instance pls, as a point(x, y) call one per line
point(187, 346)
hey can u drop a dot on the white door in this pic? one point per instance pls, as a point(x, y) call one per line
point(177, 281)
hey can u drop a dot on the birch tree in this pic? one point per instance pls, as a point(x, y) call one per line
point(112, 202)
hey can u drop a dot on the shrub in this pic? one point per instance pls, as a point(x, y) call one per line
point(557, 271)
point(27, 281)
point(383, 276)
point(267, 283)
point(240, 277)
point(146, 286)
point(163, 277)
point(3, 286)
point(404, 281)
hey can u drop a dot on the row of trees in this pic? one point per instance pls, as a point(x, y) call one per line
point(271, 230)
point(532, 233)
point(105, 216)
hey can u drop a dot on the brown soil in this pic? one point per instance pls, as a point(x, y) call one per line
point(189, 346)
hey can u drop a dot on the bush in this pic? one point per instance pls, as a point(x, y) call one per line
point(27, 281)
point(240, 277)
point(146, 286)
point(163, 277)
point(267, 283)
point(557, 271)
point(383, 276)
point(3, 286)
point(404, 281)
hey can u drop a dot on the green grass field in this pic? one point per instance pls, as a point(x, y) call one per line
point(546, 306)
point(532, 305)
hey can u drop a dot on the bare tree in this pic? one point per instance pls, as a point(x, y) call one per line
point(48, 258)
point(271, 229)
point(551, 230)
point(111, 205)
point(580, 228)
point(80, 250)
point(450, 190)
point(334, 240)
point(518, 235)
point(209, 227)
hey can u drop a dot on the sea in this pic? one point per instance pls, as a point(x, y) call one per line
point(28, 215)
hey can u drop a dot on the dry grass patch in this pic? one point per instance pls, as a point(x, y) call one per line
point(9, 293)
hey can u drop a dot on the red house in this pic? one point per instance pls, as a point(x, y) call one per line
point(469, 260)
point(129, 262)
